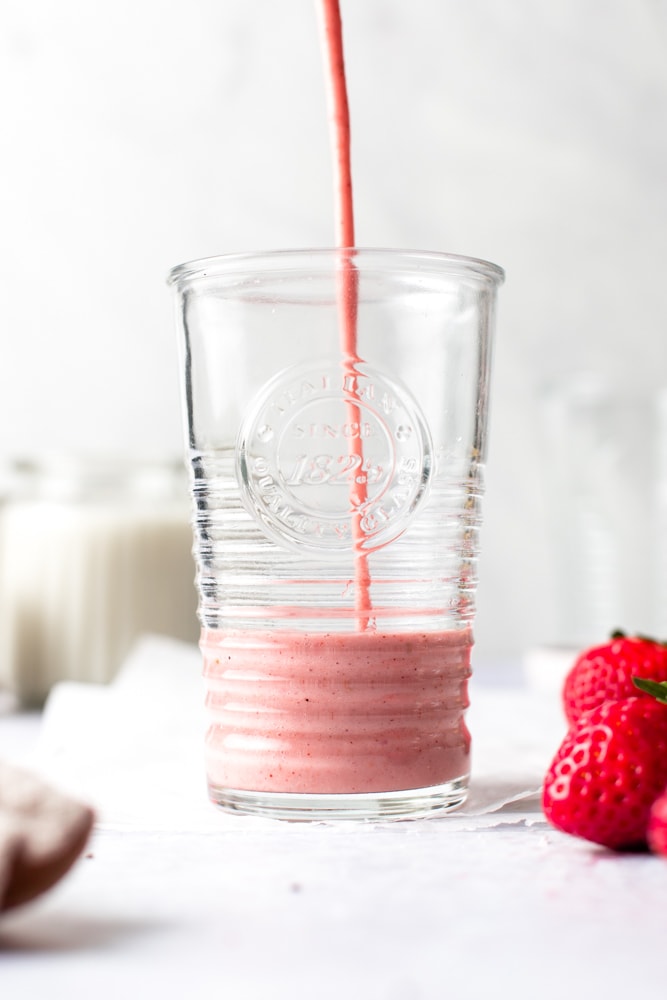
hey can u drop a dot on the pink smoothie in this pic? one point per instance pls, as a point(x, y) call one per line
point(337, 713)
point(318, 713)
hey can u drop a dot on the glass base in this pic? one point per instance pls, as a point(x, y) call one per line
point(413, 803)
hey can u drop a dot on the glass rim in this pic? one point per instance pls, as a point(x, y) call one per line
point(246, 261)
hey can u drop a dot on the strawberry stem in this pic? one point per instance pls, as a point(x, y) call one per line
point(619, 634)
point(658, 689)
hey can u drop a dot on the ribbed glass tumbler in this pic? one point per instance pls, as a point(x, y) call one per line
point(336, 407)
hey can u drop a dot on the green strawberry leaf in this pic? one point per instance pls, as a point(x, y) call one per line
point(656, 688)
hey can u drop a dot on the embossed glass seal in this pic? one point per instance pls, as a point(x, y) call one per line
point(314, 434)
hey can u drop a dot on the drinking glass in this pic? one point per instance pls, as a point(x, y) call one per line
point(336, 407)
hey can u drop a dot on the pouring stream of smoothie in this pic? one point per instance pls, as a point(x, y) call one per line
point(332, 41)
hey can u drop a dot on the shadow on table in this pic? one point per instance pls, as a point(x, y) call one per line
point(46, 930)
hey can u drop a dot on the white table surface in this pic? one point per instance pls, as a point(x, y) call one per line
point(470, 905)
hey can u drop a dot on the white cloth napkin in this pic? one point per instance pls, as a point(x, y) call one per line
point(134, 748)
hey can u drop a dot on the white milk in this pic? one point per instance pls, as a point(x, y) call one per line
point(91, 556)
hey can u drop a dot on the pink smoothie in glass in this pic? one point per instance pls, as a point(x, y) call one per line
point(336, 713)
point(343, 713)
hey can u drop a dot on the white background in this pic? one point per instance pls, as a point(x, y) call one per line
point(135, 135)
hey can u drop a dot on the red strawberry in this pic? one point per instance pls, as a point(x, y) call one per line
point(605, 673)
point(657, 825)
point(608, 772)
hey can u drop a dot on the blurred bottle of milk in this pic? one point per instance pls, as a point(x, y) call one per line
point(92, 554)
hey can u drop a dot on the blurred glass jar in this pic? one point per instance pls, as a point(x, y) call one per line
point(93, 553)
point(600, 481)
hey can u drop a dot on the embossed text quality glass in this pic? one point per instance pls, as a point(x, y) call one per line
point(336, 405)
